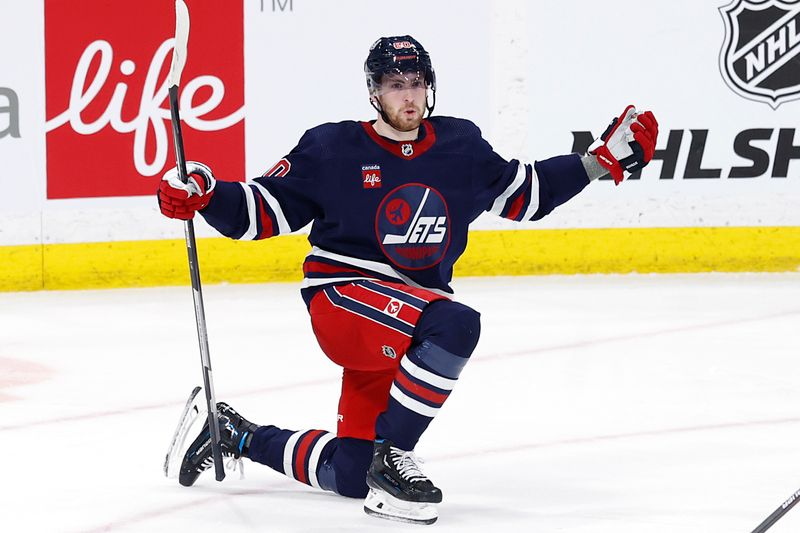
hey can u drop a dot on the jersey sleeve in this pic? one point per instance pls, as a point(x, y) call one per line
point(522, 191)
point(281, 201)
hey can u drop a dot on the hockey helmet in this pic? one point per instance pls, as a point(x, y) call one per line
point(399, 54)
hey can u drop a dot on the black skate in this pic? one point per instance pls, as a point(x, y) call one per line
point(235, 435)
point(398, 490)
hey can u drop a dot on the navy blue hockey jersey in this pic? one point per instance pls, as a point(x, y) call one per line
point(390, 210)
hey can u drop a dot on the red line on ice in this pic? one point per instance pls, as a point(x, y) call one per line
point(478, 359)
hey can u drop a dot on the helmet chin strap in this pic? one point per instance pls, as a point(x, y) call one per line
point(373, 100)
point(431, 106)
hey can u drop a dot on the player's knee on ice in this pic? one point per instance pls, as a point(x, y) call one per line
point(452, 326)
point(444, 339)
point(345, 472)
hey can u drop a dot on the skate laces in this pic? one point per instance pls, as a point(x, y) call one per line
point(407, 464)
point(233, 464)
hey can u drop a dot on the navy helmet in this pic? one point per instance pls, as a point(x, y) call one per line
point(400, 54)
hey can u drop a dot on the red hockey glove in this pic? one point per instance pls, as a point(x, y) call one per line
point(628, 143)
point(180, 200)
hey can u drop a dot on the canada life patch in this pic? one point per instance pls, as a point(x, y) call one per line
point(413, 226)
point(371, 176)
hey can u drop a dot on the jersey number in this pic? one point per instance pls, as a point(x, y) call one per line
point(279, 169)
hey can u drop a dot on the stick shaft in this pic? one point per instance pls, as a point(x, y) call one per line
point(197, 293)
point(778, 513)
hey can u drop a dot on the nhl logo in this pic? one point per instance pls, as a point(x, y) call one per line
point(407, 149)
point(760, 57)
point(389, 352)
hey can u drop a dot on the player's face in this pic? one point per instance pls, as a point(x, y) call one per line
point(402, 98)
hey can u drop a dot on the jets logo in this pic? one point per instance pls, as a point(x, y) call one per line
point(413, 226)
point(760, 58)
point(393, 307)
point(398, 211)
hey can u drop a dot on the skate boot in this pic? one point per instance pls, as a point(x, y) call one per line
point(235, 434)
point(398, 490)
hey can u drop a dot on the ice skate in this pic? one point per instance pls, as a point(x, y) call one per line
point(398, 490)
point(235, 435)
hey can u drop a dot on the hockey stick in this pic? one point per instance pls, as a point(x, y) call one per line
point(778, 513)
point(190, 413)
point(178, 62)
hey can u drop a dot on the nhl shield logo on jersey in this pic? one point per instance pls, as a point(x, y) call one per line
point(389, 352)
point(407, 150)
point(760, 57)
point(413, 226)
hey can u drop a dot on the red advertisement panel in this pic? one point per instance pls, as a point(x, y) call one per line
point(107, 63)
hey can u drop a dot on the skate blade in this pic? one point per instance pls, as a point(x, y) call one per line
point(383, 505)
point(193, 412)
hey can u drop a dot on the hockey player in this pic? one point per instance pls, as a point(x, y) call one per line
point(390, 201)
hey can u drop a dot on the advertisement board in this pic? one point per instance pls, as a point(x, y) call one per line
point(84, 121)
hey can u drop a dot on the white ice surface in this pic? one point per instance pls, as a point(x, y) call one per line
point(639, 403)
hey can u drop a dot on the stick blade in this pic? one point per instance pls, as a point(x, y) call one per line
point(191, 416)
point(179, 52)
